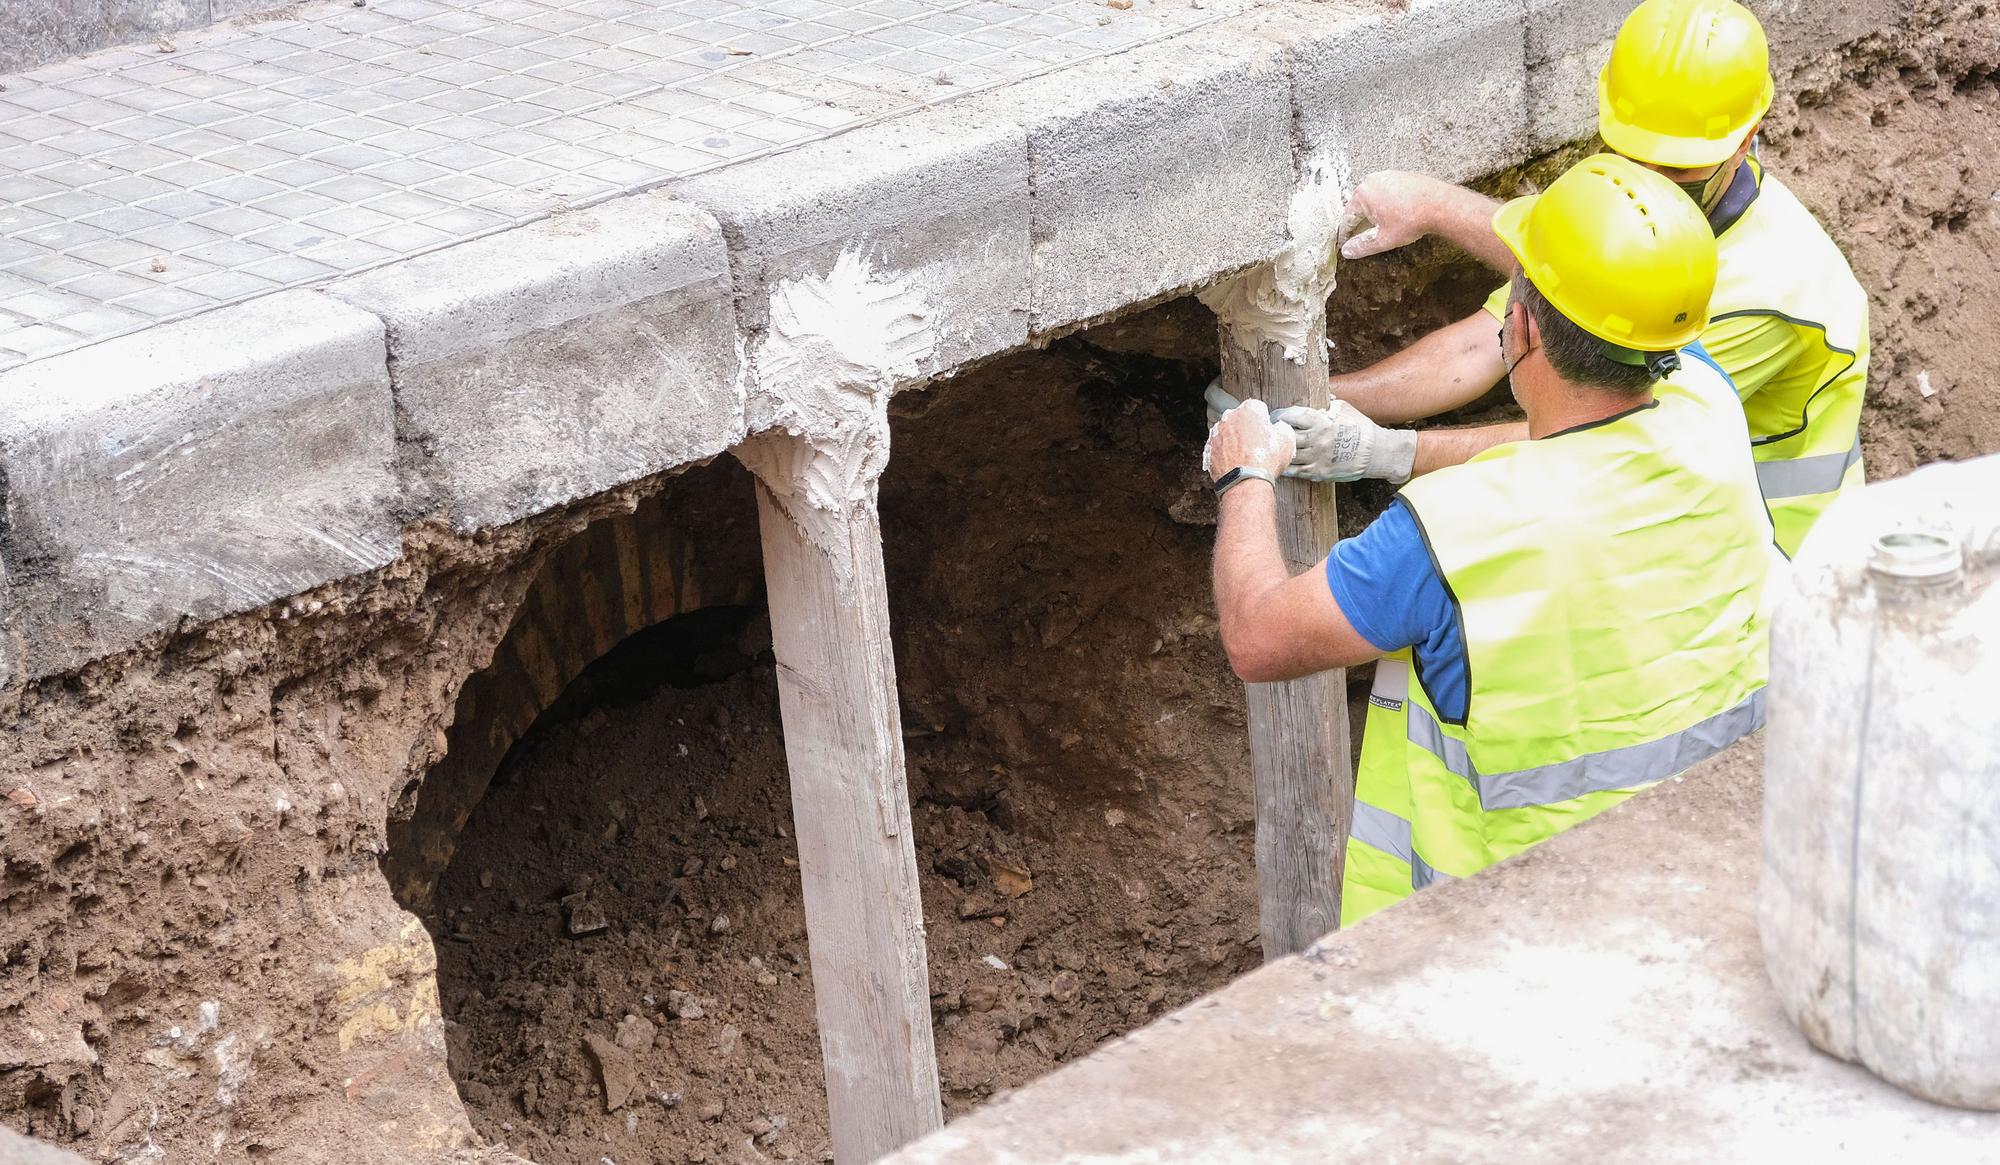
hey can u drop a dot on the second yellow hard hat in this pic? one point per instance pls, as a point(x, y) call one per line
point(1686, 81)
point(1619, 250)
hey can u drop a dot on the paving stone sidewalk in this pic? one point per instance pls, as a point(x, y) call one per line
point(153, 183)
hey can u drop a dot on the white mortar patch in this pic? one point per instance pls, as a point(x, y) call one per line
point(837, 345)
point(1278, 303)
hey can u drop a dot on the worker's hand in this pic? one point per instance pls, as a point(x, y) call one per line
point(1218, 401)
point(1397, 203)
point(1342, 444)
point(1245, 436)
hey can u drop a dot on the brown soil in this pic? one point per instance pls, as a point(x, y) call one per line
point(1075, 747)
point(1901, 160)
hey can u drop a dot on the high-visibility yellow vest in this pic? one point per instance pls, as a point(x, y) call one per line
point(1805, 430)
point(1777, 261)
point(1610, 584)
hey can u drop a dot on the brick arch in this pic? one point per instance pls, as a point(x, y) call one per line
point(692, 545)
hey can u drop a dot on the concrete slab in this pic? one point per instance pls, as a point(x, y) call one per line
point(18, 1150)
point(561, 359)
point(1568, 43)
point(1600, 998)
point(1440, 87)
point(1153, 171)
point(936, 204)
point(192, 471)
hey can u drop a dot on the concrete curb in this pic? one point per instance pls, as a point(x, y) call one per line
point(184, 474)
point(556, 361)
point(214, 465)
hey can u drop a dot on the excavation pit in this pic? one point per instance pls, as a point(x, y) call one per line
point(198, 930)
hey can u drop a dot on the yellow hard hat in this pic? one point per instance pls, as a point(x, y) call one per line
point(1619, 250)
point(1686, 81)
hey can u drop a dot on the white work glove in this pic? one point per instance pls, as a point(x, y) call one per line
point(1218, 401)
point(1342, 444)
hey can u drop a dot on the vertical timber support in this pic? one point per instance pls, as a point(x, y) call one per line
point(822, 540)
point(1273, 332)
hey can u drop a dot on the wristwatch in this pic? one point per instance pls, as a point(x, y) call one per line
point(1224, 483)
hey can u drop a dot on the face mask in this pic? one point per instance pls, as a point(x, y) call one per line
point(1516, 361)
point(1703, 190)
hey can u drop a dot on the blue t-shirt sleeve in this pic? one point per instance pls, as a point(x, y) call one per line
point(1391, 593)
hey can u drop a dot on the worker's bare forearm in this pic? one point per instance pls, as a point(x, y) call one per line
point(1439, 448)
point(1448, 369)
point(1464, 218)
point(1275, 625)
point(1249, 563)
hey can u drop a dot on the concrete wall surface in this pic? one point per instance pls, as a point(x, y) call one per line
point(35, 32)
point(489, 380)
point(1599, 998)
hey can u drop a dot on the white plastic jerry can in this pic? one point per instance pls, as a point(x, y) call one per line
point(1880, 898)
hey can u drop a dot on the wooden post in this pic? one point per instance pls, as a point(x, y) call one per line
point(850, 800)
point(1298, 730)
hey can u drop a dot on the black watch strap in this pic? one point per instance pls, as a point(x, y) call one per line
point(1241, 474)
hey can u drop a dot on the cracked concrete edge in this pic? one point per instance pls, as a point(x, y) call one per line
point(1507, 1017)
point(553, 361)
point(560, 359)
point(183, 474)
point(34, 33)
point(16, 1149)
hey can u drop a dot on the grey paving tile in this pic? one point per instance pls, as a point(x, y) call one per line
point(138, 187)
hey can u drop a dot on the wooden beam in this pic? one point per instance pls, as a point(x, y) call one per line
point(850, 798)
point(1298, 730)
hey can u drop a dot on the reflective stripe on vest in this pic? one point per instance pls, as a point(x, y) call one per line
point(1803, 476)
point(1596, 772)
point(1391, 834)
point(1611, 589)
point(1777, 261)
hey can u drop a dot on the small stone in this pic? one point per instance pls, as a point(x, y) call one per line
point(682, 1005)
point(766, 979)
point(615, 1071)
point(728, 1040)
point(486, 879)
point(710, 1110)
point(1065, 986)
point(700, 808)
point(979, 906)
point(24, 797)
point(690, 867)
point(982, 997)
point(719, 924)
point(1009, 877)
point(635, 1034)
point(727, 863)
point(669, 1099)
point(585, 916)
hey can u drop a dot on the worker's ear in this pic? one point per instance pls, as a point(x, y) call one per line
point(1530, 330)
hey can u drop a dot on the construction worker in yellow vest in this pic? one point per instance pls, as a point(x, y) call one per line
point(1684, 93)
point(1566, 619)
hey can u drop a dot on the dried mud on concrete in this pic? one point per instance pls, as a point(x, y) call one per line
point(200, 957)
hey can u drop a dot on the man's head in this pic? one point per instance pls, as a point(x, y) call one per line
point(1687, 86)
point(1616, 270)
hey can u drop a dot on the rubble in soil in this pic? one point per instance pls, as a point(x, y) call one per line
point(623, 953)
